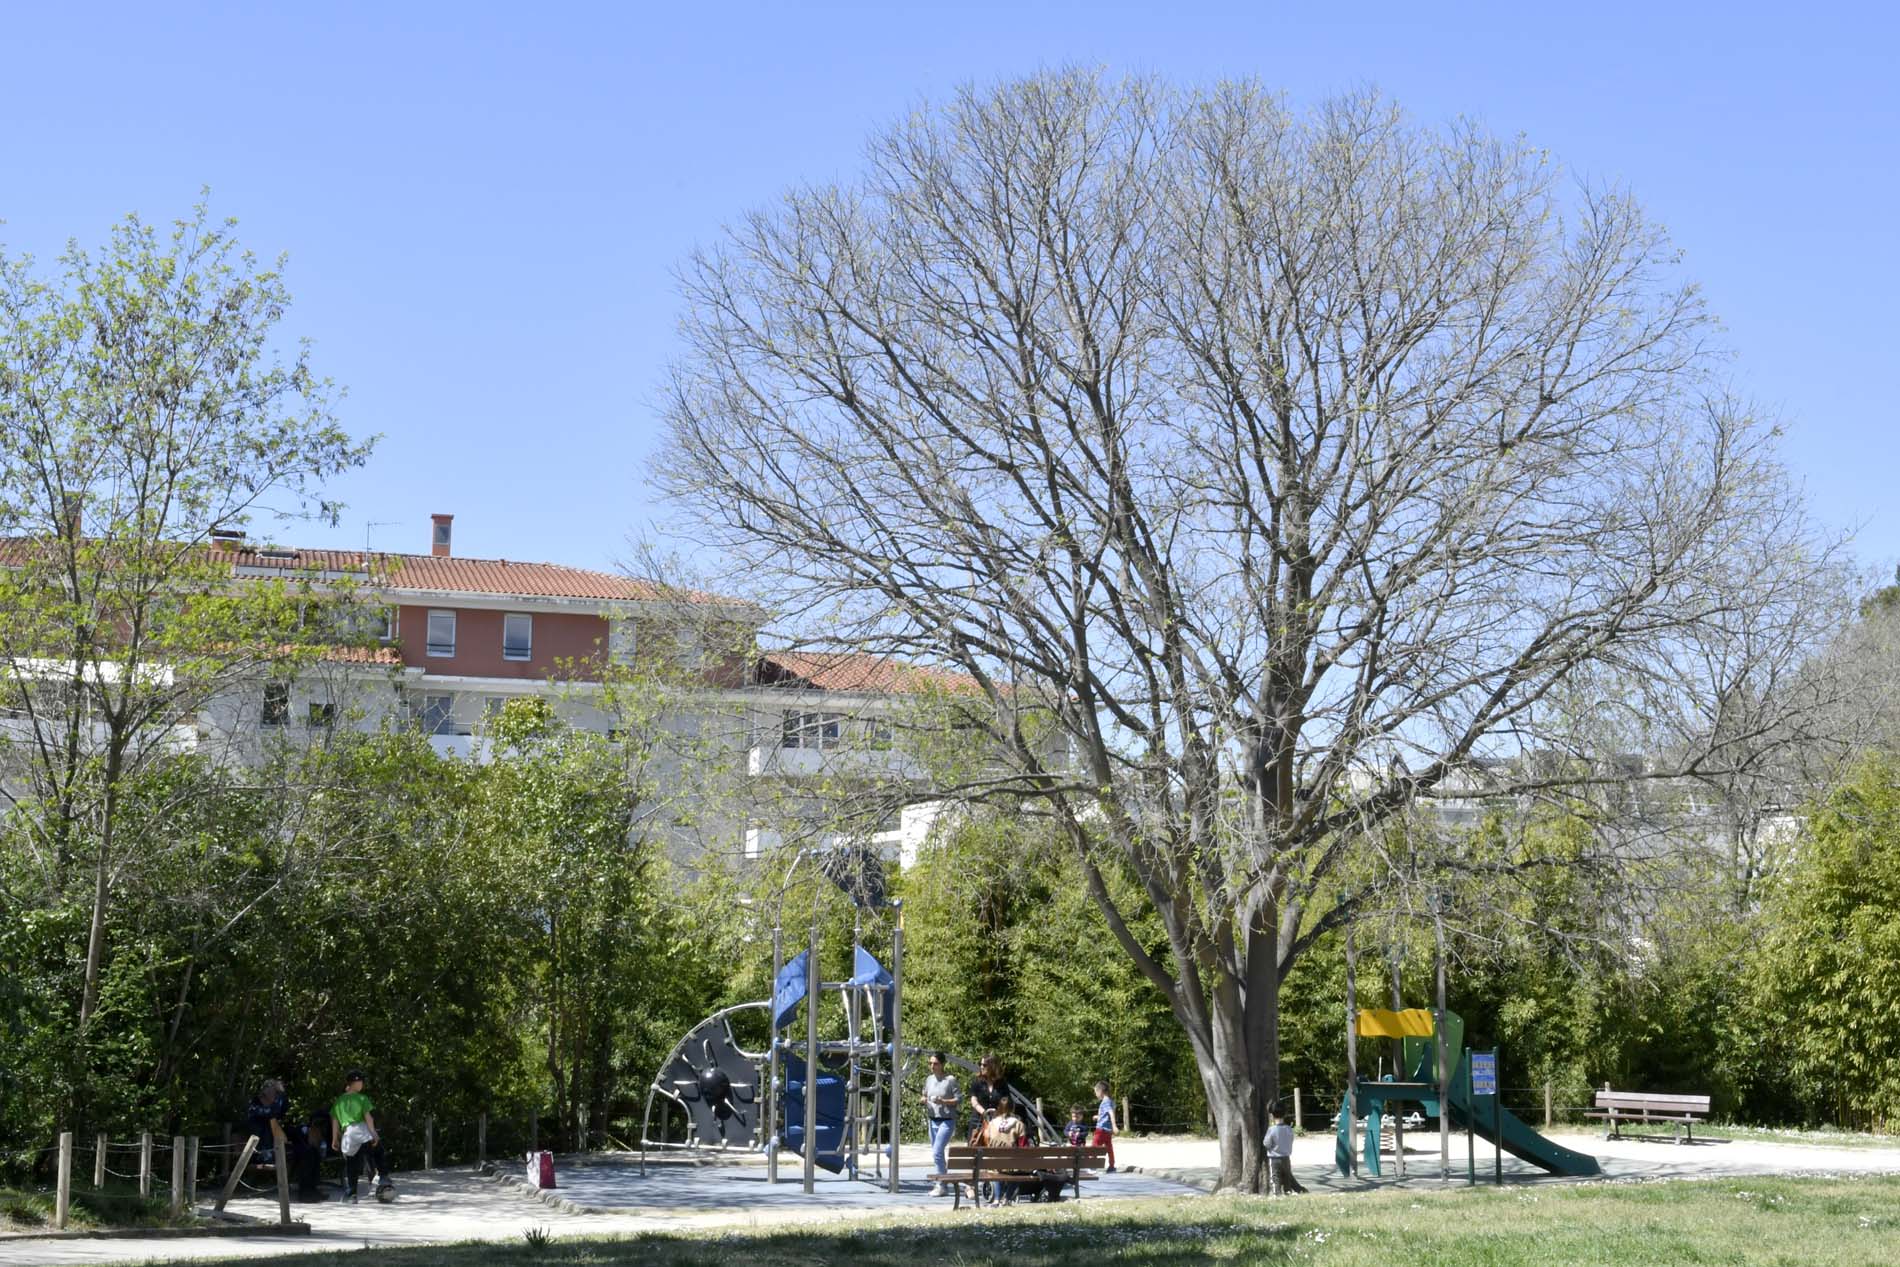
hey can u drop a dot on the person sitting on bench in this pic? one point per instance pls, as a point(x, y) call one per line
point(309, 1145)
point(269, 1104)
point(1005, 1130)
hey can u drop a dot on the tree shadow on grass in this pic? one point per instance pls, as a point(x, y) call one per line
point(982, 1240)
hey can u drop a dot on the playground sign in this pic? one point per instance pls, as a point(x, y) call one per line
point(1484, 1073)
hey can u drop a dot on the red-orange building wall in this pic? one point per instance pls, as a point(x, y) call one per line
point(559, 637)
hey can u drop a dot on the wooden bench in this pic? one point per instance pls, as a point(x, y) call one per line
point(970, 1166)
point(1622, 1108)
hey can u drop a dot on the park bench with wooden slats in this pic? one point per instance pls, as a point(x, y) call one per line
point(1625, 1108)
point(970, 1166)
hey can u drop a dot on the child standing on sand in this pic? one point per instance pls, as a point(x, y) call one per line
point(1104, 1136)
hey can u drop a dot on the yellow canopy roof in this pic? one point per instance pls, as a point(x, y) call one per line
point(1413, 1022)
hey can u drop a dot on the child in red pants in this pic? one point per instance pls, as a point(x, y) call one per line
point(1104, 1136)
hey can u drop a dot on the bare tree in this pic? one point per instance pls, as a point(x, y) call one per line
point(1289, 464)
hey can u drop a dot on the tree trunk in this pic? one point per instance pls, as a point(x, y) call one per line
point(101, 885)
point(1241, 1078)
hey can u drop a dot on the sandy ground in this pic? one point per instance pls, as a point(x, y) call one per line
point(458, 1205)
point(1197, 1160)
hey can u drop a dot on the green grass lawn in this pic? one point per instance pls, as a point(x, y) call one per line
point(1792, 1221)
point(32, 1209)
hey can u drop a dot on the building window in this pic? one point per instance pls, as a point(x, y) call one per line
point(517, 636)
point(276, 703)
point(438, 714)
point(441, 633)
point(322, 715)
point(812, 730)
point(383, 624)
point(878, 735)
point(620, 640)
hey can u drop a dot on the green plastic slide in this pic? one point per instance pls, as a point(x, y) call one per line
point(1514, 1134)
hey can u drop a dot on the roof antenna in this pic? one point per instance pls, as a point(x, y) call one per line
point(374, 524)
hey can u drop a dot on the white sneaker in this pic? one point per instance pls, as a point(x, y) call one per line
point(936, 1189)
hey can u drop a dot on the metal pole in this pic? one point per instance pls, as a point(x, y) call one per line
point(99, 1159)
point(1443, 1062)
point(63, 1203)
point(1299, 1123)
point(1352, 1064)
point(1471, 1130)
point(1399, 1070)
point(768, 1129)
point(855, 999)
point(811, 1062)
point(145, 1164)
point(897, 1040)
point(1497, 1120)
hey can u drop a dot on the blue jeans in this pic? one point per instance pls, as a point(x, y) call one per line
point(941, 1129)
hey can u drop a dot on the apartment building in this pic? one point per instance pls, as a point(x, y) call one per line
point(451, 639)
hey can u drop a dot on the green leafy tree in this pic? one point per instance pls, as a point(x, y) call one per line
point(1828, 974)
point(143, 405)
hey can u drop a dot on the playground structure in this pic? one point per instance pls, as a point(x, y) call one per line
point(737, 1097)
point(1417, 1031)
point(845, 1117)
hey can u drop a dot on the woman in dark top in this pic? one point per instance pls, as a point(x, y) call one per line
point(987, 1092)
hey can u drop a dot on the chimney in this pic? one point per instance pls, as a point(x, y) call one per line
point(439, 535)
point(227, 540)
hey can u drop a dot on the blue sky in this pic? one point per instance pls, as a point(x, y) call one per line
point(483, 204)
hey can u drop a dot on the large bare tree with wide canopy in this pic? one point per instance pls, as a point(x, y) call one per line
point(1286, 464)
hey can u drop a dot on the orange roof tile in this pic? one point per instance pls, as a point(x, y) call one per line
point(428, 572)
point(857, 671)
point(440, 574)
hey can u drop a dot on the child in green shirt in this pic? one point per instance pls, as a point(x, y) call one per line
point(353, 1131)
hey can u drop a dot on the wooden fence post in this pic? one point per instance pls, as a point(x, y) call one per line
point(1128, 1106)
point(1039, 1119)
point(283, 1171)
point(428, 1142)
point(99, 1160)
point(1299, 1116)
point(237, 1171)
point(481, 1139)
point(178, 1175)
point(1546, 1104)
point(63, 1203)
point(191, 1174)
point(145, 1164)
